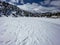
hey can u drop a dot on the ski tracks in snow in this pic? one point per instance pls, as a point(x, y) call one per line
point(28, 31)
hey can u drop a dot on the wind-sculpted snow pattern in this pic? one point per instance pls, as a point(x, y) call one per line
point(29, 31)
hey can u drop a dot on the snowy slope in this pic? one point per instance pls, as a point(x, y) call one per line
point(29, 31)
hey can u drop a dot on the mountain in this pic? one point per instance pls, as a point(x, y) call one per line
point(33, 10)
point(7, 9)
point(37, 5)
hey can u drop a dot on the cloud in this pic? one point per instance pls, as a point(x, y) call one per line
point(22, 1)
point(14, 1)
point(45, 2)
point(42, 9)
point(56, 3)
point(28, 6)
point(34, 7)
point(2, 0)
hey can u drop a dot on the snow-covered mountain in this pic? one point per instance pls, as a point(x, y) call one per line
point(32, 10)
point(35, 7)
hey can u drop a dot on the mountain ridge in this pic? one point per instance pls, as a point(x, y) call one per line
point(9, 9)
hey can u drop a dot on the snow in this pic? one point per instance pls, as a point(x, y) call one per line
point(49, 6)
point(29, 31)
point(35, 8)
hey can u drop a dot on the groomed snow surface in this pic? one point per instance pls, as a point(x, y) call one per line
point(29, 31)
